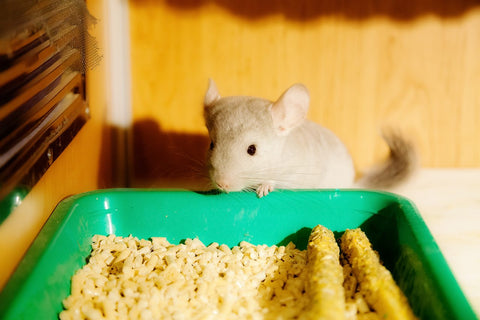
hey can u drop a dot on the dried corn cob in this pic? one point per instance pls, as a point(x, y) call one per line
point(325, 281)
point(349, 279)
point(375, 281)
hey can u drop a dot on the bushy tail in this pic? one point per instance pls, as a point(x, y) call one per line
point(402, 162)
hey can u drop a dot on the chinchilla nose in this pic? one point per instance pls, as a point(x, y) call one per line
point(225, 181)
point(223, 184)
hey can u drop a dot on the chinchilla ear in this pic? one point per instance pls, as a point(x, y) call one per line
point(290, 110)
point(212, 95)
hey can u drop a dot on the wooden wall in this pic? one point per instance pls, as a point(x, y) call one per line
point(368, 64)
point(83, 166)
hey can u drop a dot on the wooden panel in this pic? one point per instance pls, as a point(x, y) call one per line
point(367, 64)
point(81, 167)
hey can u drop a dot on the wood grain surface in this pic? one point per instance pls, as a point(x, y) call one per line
point(367, 64)
point(83, 166)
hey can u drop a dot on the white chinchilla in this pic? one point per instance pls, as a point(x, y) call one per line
point(260, 145)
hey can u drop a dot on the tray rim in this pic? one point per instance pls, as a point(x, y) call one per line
point(68, 206)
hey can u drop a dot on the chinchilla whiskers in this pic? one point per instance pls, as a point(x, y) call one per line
point(301, 169)
point(249, 189)
point(256, 180)
point(198, 173)
point(209, 185)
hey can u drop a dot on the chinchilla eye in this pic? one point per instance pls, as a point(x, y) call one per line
point(211, 145)
point(251, 149)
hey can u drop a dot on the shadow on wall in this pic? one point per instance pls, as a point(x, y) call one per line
point(311, 9)
point(106, 172)
point(167, 159)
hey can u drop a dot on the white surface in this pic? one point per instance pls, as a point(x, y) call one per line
point(449, 202)
point(118, 77)
point(119, 104)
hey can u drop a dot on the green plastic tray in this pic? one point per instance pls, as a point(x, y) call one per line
point(392, 223)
